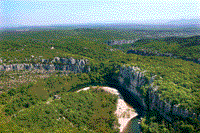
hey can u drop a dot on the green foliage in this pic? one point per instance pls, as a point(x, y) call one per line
point(75, 112)
point(4, 98)
point(92, 109)
point(19, 102)
point(187, 128)
point(153, 122)
point(179, 80)
point(181, 47)
point(29, 113)
point(42, 117)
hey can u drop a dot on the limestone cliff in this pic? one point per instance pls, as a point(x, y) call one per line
point(132, 79)
point(120, 42)
point(63, 64)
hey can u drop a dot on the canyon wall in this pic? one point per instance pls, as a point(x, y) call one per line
point(132, 79)
point(62, 64)
point(156, 53)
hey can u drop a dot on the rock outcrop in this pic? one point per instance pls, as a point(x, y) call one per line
point(120, 42)
point(132, 79)
point(62, 64)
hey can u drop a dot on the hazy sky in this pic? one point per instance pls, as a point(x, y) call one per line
point(47, 12)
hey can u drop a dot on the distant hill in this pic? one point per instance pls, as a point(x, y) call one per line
point(184, 22)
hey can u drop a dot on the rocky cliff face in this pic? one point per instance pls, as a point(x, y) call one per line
point(120, 42)
point(132, 79)
point(62, 64)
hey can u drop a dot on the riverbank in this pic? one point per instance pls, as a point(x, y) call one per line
point(124, 112)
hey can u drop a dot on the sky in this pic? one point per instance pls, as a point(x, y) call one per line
point(15, 13)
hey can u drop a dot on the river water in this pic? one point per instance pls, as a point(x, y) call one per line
point(133, 126)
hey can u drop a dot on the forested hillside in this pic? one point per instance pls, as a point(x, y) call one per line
point(30, 106)
point(187, 48)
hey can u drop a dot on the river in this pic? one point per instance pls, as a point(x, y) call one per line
point(133, 126)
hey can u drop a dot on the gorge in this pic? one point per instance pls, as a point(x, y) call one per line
point(129, 78)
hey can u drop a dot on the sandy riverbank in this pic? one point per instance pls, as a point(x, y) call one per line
point(124, 112)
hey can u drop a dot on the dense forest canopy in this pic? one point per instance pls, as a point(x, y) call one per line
point(181, 47)
point(22, 100)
